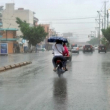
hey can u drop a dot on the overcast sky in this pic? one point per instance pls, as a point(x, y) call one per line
point(61, 14)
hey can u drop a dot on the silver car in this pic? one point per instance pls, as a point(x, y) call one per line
point(75, 49)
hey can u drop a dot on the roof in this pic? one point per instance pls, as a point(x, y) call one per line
point(8, 29)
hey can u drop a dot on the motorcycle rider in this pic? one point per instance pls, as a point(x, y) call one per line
point(58, 54)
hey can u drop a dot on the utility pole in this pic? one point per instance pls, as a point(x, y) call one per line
point(107, 19)
point(105, 14)
point(102, 23)
point(99, 26)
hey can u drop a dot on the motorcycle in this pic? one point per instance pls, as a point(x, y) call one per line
point(59, 66)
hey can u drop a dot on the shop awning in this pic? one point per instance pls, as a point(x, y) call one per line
point(8, 29)
point(8, 39)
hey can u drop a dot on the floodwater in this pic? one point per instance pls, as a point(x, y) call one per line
point(85, 86)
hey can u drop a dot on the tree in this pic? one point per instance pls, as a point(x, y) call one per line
point(94, 41)
point(104, 41)
point(33, 34)
point(106, 33)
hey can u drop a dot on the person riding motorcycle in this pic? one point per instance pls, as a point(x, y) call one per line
point(65, 52)
point(58, 54)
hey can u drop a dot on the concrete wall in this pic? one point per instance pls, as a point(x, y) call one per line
point(10, 14)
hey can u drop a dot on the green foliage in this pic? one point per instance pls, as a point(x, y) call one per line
point(33, 34)
point(106, 33)
point(104, 41)
point(94, 41)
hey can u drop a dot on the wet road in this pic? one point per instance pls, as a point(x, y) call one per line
point(86, 86)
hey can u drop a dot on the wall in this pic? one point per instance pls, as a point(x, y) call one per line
point(10, 34)
point(46, 28)
point(10, 14)
point(10, 48)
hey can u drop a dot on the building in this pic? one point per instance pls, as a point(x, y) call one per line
point(1, 10)
point(10, 14)
point(52, 32)
point(66, 35)
point(47, 30)
point(8, 35)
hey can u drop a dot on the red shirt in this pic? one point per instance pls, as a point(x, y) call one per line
point(65, 52)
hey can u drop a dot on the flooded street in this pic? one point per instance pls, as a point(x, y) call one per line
point(85, 86)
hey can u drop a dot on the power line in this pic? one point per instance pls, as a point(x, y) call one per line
point(55, 19)
point(72, 22)
point(71, 18)
point(81, 29)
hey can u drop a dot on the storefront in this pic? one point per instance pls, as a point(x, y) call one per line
point(7, 40)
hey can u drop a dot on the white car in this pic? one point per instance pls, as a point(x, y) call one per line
point(41, 49)
point(96, 47)
point(75, 49)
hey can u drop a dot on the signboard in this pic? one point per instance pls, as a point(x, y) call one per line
point(3, 48)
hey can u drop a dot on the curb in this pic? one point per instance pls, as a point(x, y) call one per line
point(21, 64)
point(8, 67)
point(17, 65)
point(12, 66)
point(25, 63)
point(2, 69)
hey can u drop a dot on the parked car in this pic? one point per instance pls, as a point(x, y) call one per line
point(75, 49)
point(41, 49)
point(101, 48)
point(87, 48)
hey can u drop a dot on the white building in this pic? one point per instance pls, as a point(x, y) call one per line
point(10, 14)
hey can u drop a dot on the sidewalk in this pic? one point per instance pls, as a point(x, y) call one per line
point(17, 58)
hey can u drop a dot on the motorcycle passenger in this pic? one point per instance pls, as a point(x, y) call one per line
point(58, 54)
point(65, 52)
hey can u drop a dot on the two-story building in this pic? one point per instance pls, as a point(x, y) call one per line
point(10, 14)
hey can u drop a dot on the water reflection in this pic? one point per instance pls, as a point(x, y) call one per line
point(106, 78)
point(106, 68)
point(60, 94)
